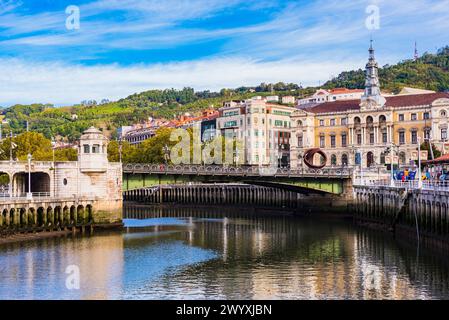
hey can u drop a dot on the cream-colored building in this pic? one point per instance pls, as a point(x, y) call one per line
point(359, 131)
point(263, 128)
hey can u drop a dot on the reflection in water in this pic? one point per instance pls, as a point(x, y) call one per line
point(189, 253)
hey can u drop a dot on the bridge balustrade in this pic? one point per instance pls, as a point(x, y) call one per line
point(233, 170)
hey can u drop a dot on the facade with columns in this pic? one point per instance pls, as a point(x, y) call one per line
point(358, 132)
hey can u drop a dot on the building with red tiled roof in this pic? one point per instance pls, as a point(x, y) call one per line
point(373, 129)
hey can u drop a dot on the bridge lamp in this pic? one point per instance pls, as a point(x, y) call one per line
point(166, 150)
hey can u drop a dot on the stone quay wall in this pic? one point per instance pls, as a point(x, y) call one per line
point(419, 213)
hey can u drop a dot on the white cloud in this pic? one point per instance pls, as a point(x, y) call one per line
point(28, 82)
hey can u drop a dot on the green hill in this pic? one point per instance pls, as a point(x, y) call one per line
point(431, 71)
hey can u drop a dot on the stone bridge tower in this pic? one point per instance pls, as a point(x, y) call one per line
point(93, 156)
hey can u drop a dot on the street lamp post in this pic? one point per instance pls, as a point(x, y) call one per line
point(29, 194)
point(166, 155)
point(391, 165)
point(419, 164)
point(120, 150)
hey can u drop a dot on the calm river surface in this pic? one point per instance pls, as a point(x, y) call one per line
point(193, 253)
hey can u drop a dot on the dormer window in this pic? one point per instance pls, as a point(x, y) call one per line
point(86, 148)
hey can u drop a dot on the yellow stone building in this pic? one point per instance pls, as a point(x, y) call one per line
point(358, 132)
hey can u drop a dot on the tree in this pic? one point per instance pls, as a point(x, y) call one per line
point(129, 152)
point(426, 147)
point(37, 145)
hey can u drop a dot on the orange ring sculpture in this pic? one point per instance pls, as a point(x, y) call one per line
point(308, 158)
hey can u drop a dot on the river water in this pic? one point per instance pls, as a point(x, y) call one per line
point(194, 253)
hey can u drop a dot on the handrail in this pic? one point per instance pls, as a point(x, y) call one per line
point(434, 185)
point(235, 170)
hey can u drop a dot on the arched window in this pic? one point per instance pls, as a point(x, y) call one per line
point(402, 159)
point(344, 160)
point(443, 113)
point(333, 160)
point(370, 159)
point(369, 120)
point(382, 158)
point(357, 121)
point(299, 123)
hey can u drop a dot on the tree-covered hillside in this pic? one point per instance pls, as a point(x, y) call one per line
point(71, 121)
point(431, 71)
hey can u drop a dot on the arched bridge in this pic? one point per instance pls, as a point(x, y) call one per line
point(326, 180)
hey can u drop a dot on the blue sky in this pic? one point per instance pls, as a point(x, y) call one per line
point(128, 46)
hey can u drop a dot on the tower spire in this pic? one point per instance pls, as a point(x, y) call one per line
point(372, 93)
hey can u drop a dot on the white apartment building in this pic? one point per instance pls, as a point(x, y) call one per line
point(262, 127)
point(288, 100)
point(338, 94)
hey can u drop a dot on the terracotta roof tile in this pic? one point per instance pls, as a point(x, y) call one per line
point(395, 102)
point(415, 99)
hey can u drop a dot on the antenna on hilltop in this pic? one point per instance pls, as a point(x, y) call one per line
point(416, 56)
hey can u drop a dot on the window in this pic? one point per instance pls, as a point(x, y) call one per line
point(427, 134)
point(382, 158)
point(443, 114)
point(401, 117)
point(344, 140)
point(321, 123)
point(300, 141)
point(86, 148)
point(333, 160)
point(359, 138)
point(426, 116)
point(414, 137)
point(229, 124)
point(64, 181)
point(413, 117)
point(249, 120)
point(322, 142)
point(333, 122)
point(333, 141)
point(401, 137)
point(384, 137)
point(344, 160)
point(278, 123)
point(96, 148)
point(344, 121)
point(256, 132)
point(443, 134)
point(371, 138)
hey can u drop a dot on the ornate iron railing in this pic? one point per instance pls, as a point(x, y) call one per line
point(249, 171)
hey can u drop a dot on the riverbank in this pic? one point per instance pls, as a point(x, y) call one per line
point(29, 235)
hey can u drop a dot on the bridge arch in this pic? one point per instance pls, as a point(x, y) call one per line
point(41, 217)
